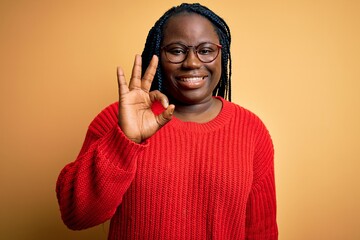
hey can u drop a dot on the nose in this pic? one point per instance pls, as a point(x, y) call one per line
point(191, 60)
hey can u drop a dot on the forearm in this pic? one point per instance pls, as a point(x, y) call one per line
point(90, 189)
point(261, 207)
point(261, 210)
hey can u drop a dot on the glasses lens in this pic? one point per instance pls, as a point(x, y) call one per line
point(207, 52)
point(176, 53)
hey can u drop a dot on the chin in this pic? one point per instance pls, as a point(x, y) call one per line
point(191, 98)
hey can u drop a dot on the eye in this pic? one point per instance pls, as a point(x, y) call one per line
point(205, 50)
point(177, 50)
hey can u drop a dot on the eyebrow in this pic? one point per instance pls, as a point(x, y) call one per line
point(182, 43)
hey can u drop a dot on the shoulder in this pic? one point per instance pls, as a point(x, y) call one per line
point(105, 120)
point(245, 120)
point(242, 115)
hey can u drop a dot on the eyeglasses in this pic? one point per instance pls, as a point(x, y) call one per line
point(177, 52)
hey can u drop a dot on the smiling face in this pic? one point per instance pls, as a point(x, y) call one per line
point(191, 81)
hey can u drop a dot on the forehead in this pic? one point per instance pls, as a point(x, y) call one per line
point(189, 28)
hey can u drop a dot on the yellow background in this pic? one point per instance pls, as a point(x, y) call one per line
point(295, 63)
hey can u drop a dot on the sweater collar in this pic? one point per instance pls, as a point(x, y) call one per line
point(221, 119)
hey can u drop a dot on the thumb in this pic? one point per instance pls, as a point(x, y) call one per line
point(165, 116)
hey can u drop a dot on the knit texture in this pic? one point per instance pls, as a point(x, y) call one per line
point(188, 181)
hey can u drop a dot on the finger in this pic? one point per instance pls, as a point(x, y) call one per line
point(135, 81)
point(122, 86)
point(158, 96)
point(166, 115)
point(149, 74)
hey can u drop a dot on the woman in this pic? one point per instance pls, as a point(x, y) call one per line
point(180, 161)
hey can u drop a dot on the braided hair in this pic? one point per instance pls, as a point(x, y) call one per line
point(155, 36)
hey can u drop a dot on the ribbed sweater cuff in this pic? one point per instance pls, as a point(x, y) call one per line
point(119, 150)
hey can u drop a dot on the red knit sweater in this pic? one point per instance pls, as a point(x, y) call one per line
point(188, 181)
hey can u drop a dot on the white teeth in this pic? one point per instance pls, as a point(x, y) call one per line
point(191, 79)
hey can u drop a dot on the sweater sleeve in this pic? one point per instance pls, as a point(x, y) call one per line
point(90, 189)
point(261, 206)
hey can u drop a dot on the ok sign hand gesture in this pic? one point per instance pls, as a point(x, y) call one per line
point(136, 119)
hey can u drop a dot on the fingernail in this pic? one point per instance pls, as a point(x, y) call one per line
point(165, 104)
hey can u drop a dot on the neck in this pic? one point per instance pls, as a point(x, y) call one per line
point(200, 112)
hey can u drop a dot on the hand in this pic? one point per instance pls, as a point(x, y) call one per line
point(136, 119)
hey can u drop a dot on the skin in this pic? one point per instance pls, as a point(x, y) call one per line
point(194, 102)
point(136, 119)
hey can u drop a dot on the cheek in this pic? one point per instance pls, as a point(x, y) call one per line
point(165, 69)
point(167, 72)
point(216, 69)
point(165, 65)
point(168, 69)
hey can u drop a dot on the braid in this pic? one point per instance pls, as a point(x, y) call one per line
point(154, 40)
